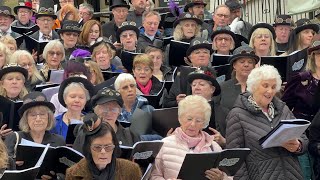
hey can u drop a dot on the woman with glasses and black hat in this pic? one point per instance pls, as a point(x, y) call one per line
point(69, 34)
point(223, 40)
point(127, 35)
point(100, 150)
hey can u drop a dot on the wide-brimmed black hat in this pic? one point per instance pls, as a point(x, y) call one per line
point(22, 4)
point(13, 67)
point(315, 47)
point(207, 74)
point(118, 3)
point(99, 41)
point(127, 25)
point(283, 19)
point(46, 8)
point(70, 26)
point(86, 83)
point(35, 99)
point(194, 3)
point(187, 16)
point(6, 11)
point(223, 30)
point(106, 95)
point(91, 124)
point(233, 4)
point(262, 25)
point(305, 23)
point(198, 43)
point(244, 51)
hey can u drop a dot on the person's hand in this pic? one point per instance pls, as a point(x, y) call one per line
point(117, 45)
point(34, 55)
point(292, 145)
point(218, 137)
point(214, 174)
point(169, 133)
point(4, 132)
point(19, 163)
point(180, 97)
point(51, 176)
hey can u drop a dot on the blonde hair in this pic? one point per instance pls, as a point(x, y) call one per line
point(83, 37)
point(23, 123)
point(16, 56)
point(6, 52)
point(143, 59)
point(272, 48)
point(4, 160)
point(311, 63)
point(178, 32)
point(214, 44)
point(99, 47)
point(9, 40)
point(3, 91)
point(93, 66)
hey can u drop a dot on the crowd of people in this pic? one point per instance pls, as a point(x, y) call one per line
point(111, 99)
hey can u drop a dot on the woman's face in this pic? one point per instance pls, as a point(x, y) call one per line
point(13, 83)
point(54, 57)
point(69, 39)
point(243, 66)
point(128, 90)
point(264, 92)
point(189, 28)
point(102, 150)
point(109, 112)
point(26, 63)
point(156, 57)
point(2, 59)
point(11, 47)
point(317, 59)
point(262, 42)
point(142, 73)
point(200, 57)
point(223, 42)
point(192, 121)
point(306, 37)
point(202, 88)
point(37, 119)
point(102, 58)
point(75, 99)
point(128, 39)
point(94, 33)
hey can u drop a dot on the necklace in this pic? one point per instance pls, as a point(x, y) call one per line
point(69, 119)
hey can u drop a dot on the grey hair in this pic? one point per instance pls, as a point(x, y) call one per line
point(121, 78)
point(264, 72)
point(150, 13)
point(74, 85)
point(51, 45)
point(178, 32)
point(87, 6)
point(195, 102)
point(23, 123)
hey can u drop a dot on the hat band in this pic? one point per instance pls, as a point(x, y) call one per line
point(75, 28)
point(6, 12)
point(44, 10)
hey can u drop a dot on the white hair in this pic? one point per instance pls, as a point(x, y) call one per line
point(121, 78)
point(264, 72)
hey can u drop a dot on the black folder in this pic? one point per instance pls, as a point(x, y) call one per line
point(164, 119)
point(223, 72)
point(9, 110)
point(219, 59)
point(154, 100)
point(228, 161)
point(35, 44)
point(109, 74)
point(185, 88)
point(127, 59)
point(167, 40)
point(25, 30)
point(19, 40)
point(30, 173)
point(177, 53)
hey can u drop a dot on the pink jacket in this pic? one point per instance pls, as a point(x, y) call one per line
point(171, 156)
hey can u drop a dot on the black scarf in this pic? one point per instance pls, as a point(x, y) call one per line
point(107, 173)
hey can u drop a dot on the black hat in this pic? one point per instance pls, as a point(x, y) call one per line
point(6, 11)
point(283, 19)
point(315, 47)
point(233, 4)
point(46, 8)
point(127, 25)
point(243, 51)
point(91, 123)
point(106, 95)
point(35, 99)
point(13, 67)
point(262, 25)
point(99, 41)
point(305, 23)
point(86, 83)
point(70, 26)
point(198, 43)
point(223, 30)
point(205, 73)
point(118, 3)
point(22, 4)
point(187, 16)
point(194, 3)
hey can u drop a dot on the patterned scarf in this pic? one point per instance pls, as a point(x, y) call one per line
point(271, 109)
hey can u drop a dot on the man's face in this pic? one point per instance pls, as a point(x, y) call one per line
point(197, 10)
point(24, 15)
point(5, 22)
point(151, 24)
point(235, 13)
point(139, 4)
point(85, 14)
point(45, 24)
point(282, 33)
point(120, 14)
point(221, 17)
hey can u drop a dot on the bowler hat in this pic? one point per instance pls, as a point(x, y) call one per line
point(35, 99)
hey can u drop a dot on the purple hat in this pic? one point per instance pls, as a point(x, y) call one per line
point(80, 53)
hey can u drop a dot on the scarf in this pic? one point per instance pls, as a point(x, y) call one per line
point(145, 89)
point(107, 173)
point(269, 113)
point(197, 144)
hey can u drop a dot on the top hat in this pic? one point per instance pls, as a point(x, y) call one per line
point(35, 99)
point(22, 4)
point(187, 16)
point(118, 3)
point(283, 19)
point(127, 25)
point(46, 8)
point(305, 23)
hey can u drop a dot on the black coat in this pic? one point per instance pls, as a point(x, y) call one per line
point(314, 143)
point(109, 29)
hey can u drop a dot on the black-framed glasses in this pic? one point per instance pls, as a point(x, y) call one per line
point(281, 20)
point(6, 12)
point(127, 23)
point(99, 147)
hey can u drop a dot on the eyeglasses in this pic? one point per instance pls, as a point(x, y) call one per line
point(260, 36)
point(128, 35)
point(126, 23)
point(119, 11)
point(45, 20)
point(34, 115)
point(52, 53)
point(99, 147)
point(222, 15)
point(223, 38)
point(197, 120)
point(71, 34)
point(6, 12)
point(281, 20)
point(84, 13)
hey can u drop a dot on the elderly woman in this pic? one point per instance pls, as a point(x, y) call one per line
point(262, 39)
point(127, 35)
point(25, 60)
point(91, 30)
point(242, 62)
point(10, 42)
point(253, 116)
point(95, 71)
point(69, 34)
point(4, 55)
point(186, 27)
point(194, 114)
point(100, 155)
point(223, 41)
point(36, 120)
point(53, 54)
point(74, 92)
point(302, 36)
point(142, 70)
point(126, 85)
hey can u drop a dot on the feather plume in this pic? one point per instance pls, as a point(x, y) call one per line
point(174, 8)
